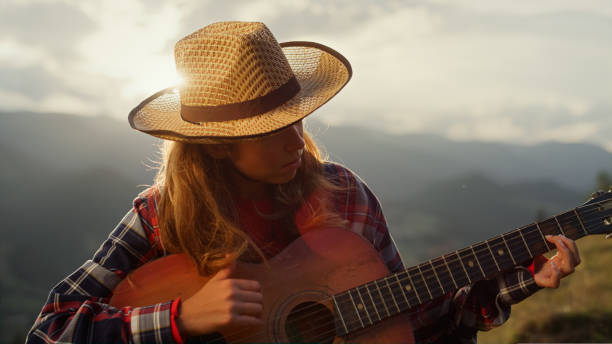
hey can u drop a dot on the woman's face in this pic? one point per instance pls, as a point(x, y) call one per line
point(272, 159)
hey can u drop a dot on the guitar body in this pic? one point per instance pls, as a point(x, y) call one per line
point(297, 285)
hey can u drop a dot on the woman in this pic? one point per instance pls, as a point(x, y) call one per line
point(241, 180)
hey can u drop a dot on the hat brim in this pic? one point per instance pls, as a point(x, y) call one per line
point(321, 72)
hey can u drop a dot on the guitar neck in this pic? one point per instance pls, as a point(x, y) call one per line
point(383, 298)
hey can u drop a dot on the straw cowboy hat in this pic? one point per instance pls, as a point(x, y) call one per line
point(240, 83)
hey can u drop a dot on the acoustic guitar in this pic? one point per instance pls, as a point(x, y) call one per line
point(331, 286)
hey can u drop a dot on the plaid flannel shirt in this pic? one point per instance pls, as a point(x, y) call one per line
point(77, 308)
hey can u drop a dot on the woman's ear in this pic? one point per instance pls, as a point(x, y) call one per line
point(218, 151)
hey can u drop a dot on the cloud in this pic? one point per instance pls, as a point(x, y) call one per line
point(526, 7)
point(565, 24)
point(55, 26)
point(92, 57)
point(471, 69)
point(427, 69)
point(35, 81)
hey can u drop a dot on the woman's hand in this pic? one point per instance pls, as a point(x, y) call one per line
point(548, 272)
point(222, 303)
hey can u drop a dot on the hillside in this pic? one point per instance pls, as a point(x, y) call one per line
point(579, 311)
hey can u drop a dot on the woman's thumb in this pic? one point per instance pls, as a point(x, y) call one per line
point(226, 271)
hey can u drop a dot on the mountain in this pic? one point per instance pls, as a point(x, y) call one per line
point(65, 143)
point(464, 210)
point(399, 165)
point(579, 311)
point(393, 165)
point(66, 181)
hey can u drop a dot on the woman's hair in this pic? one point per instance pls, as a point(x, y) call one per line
point(197, 209)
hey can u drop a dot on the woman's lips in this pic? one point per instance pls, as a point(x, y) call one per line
point(293, 164)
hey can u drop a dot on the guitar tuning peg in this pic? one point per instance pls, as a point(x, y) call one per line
point(597, 194)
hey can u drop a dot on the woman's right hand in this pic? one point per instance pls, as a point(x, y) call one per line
point(223, 303)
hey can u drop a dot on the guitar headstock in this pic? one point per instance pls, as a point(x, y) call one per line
point(598, 213)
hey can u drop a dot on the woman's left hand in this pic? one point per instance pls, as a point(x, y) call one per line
point(549, 272)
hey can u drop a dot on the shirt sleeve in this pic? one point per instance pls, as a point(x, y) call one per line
point(455, 317)
point(357, 204)
point(77, 309)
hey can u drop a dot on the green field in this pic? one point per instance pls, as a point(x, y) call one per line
point(579, 311)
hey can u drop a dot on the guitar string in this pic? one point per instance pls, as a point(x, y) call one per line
point(312, 314)
point(401, 302)
point(317, 312)
point(531, 227)
point(589, 222)
point(572, 226)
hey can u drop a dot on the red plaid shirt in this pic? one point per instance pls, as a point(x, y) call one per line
point(77, 309)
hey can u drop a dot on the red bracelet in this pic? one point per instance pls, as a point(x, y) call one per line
point(176, 334)
point(531, 266)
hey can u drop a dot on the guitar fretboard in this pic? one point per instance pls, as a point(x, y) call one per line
point(367, 304)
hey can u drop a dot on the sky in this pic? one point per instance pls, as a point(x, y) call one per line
point(511, 71)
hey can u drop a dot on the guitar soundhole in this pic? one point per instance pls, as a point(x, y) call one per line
point(310, 322)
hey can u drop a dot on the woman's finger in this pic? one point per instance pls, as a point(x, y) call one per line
point(249, 296)
point(246, 320)
point(555, 276)
point(563, 253)
point(224, 273)
point(246, 284)
point(571, 245)
point(248, 308)
point(563, 258)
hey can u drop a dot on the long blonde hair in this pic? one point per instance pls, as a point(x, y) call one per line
point(197, 213)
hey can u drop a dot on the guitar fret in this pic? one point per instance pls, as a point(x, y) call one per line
point(443, 275)
point(450, 273)
point(525, 242)
point(468, 258)
point(408, 288)
point(356, 308)
point(402, 289)
point(493, 255)
point(518, 248)
point(392, 296)
point(477, 261)
point(365, 307)
point(373, 302)
point(433, 269)
point(485, 259)
point(382, 298)
point(463, 266)
point(416, 292)
point(560, 227)
point(499, 247)
point(508, 247)
point(534, 240)
point(454, 262)
point(340, 314)
point(580, 220)
point(425, 282)
point(543, 238)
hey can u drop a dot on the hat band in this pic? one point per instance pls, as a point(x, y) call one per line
point(249, 108)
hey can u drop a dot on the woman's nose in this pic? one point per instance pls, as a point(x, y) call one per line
point(295, 137)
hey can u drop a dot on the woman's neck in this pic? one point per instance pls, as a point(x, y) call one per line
point(249, 188)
